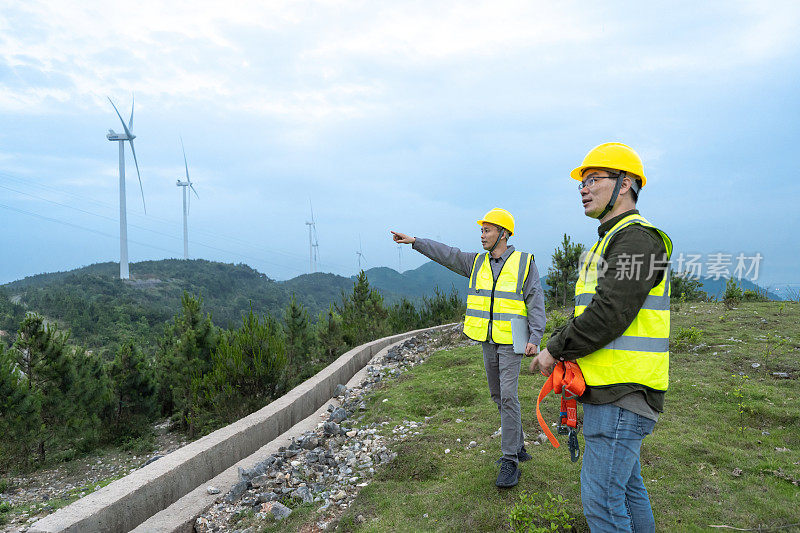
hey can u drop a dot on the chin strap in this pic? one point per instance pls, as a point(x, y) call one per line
point(614, 195)
point(499, 236)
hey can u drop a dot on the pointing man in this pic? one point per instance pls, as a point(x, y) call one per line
point(504, 284)
point(619, 336)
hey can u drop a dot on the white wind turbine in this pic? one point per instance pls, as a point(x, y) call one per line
point(124, 273)
point(359, 253)
point(186, 185)
point(313, 242)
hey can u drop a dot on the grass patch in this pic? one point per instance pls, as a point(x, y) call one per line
point(413, 462)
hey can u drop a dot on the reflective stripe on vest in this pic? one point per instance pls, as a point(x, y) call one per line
point(641, 354)
point(498, 301)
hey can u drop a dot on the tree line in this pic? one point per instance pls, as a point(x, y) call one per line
point(58, 400)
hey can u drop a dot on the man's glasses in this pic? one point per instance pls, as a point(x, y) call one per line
point(588, 182)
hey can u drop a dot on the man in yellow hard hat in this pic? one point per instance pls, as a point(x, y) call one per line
point(504, 285)
point(619, 336)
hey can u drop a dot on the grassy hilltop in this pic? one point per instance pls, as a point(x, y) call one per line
point(725, 452)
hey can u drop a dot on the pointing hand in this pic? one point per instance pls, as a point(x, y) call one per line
point(402, 238)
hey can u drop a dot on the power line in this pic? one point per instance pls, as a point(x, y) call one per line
point(77, 226)
point(228, 238)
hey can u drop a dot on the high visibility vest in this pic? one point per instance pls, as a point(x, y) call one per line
point(641, 354)
point(495, 301)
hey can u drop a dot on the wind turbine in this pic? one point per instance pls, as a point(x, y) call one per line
point(124, 273)
point(186, 185)
point(313, 242)
point(359, 253)
point(399, 258)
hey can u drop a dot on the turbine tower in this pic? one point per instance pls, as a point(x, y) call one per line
point(186, 185)
point(313, 242)
point(124, 273)
point(359, 253)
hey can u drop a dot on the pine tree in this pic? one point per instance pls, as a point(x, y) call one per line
point(363, 313)
point(19, 412)
point(297, 332)
point(41, 354)
point(184, 357)
point(563, 273)
point(134, 391)
point(329, 335)
point(92, 397)
point(248, 368)
point(403, 316)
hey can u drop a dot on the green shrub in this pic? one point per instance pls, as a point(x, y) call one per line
point(141, 445)
point(5, 508)
point(686, 337)
point(755, 295)
point(684, 288)
point(733, 293)
point(555, 319)
point(540, 514)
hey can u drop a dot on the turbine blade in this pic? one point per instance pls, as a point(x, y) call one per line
point(137, 173)
point(185, 163)
point(124, 126)
point(312, 210)
point(191, 186)
point(130, 124)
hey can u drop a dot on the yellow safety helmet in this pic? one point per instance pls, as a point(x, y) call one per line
point(499, 217)
point(616, 156)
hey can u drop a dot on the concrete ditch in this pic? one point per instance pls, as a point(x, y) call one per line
point(128, 502)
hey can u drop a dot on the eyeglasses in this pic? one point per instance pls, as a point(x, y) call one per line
point(588, 182)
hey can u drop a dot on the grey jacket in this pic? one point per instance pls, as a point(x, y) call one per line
point(461, 263)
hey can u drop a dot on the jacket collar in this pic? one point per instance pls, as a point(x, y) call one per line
point(608, 224)
point(504, 255)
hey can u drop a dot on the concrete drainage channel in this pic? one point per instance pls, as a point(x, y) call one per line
point(168, 494)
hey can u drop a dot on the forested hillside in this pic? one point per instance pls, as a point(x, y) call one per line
point(102, 312)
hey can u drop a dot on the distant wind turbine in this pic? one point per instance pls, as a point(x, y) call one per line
point(399, 258)
point(313, 241)
point(186, 185)
point(359, 253)
point(124, 273)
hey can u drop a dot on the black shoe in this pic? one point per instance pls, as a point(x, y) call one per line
point(523, 455)
point(509, 474)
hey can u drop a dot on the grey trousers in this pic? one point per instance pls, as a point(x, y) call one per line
point(502, 372)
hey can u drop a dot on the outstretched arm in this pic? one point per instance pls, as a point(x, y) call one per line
point(448, 256)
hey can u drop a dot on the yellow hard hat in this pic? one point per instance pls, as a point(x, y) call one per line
point(616, 156)
point(500, 217)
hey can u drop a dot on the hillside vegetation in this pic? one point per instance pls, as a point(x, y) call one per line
point(59, 400)
point(102, 312)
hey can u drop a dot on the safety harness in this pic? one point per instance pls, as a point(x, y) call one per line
point(567, 380)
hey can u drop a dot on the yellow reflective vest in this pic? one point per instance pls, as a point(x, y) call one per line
point(641, 354)
point(496, 301)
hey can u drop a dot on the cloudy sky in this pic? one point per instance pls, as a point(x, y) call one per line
point(414, 116)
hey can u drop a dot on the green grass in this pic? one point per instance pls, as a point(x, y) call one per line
point(715, 457)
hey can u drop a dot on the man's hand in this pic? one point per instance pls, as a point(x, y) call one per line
point(402, 238)
point(544, 361)
point(531, 349)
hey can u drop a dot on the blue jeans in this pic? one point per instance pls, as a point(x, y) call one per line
point(612, 489)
